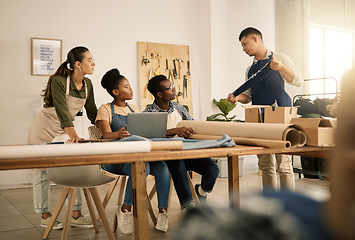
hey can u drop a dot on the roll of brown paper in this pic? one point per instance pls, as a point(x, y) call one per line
point(248, 141)
point(166, 145)
point(303, 139)
point(271, 131)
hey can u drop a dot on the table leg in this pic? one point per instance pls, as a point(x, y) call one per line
point(140, 211)
point(233, 181)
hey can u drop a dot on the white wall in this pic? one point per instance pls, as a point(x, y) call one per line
point(228, 61)
point(110, 29)
point(290, 35)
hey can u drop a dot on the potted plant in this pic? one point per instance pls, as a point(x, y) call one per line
point(225, 108)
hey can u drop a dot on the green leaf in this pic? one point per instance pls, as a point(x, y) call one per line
point(224, 105)
point(231, 118)
point(213, 117)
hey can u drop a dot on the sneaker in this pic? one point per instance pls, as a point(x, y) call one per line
point(57, 225)
point(82, 221)
point(162, 221)
point(203, 199)
point(125, 221)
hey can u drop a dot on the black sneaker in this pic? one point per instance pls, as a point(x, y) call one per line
point(203, 199)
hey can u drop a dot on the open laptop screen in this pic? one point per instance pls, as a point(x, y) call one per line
point(147, 124)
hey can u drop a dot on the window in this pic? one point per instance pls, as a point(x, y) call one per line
point(330, 55)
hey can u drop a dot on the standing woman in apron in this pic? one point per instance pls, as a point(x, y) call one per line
point(67, 92)
point(112, 121)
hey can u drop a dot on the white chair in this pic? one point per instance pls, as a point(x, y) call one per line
point(85, 177)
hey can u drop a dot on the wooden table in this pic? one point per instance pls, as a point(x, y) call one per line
point(138, 169)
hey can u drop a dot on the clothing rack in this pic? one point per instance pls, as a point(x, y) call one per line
point(337, 93)
point(321, 95)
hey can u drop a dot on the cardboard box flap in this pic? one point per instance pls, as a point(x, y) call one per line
point(313, 126)
point(254, 106)
point(314, 123)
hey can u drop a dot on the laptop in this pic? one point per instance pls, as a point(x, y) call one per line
point(147, 124)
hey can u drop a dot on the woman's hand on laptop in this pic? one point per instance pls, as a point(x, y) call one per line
point(181, 132)
point(123, 133)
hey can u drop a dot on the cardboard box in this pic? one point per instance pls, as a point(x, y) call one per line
point(253, 113)
point(319, 131)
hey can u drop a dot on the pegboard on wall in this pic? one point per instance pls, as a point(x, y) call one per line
point(173, 61)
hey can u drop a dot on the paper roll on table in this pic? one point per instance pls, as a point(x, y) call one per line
point(270, 131)
point(248, 141)
point(73, 149)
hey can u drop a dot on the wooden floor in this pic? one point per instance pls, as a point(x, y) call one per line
point(18, 220)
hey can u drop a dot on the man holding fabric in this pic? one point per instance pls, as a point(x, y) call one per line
point(268, 90)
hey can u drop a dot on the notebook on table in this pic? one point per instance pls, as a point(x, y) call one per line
point(147, 124)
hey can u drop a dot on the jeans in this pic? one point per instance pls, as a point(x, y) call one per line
point(178, 169)
point(285, 169)
point(158, 169)
point(41, 193)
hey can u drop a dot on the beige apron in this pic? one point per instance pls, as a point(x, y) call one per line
point(173, 119)
point(46, 125)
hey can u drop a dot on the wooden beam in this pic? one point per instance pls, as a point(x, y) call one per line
point(139, 190)
point(233, 181)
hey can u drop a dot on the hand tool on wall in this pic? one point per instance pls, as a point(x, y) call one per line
point(146, 86)
point(188, 68)
point(180, 61)
point(184, 91)
point(157, 72)
point(145, 60)
point(167, 65)
point(171, 76)
point(175, 72)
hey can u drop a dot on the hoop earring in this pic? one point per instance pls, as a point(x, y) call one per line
point(68, 66)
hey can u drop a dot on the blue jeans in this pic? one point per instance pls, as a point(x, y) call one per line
point(178, 169)
point(158, 169)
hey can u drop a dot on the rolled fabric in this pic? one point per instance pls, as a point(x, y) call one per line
point(73, 149)
point(249, 141)
point(271, 131)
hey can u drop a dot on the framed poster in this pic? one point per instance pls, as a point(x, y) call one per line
point(46, 56)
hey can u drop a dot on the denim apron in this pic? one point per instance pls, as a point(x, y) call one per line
point(118, 121)
point(46, 125)
point(271, 89)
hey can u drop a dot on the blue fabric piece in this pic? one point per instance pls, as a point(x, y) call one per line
point(188, 144)
point(256, 77)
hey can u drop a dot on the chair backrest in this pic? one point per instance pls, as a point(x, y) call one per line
point(77, 176)
point(94, 132)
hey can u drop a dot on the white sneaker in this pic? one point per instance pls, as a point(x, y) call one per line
point(125, 221)
point(162, 221)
